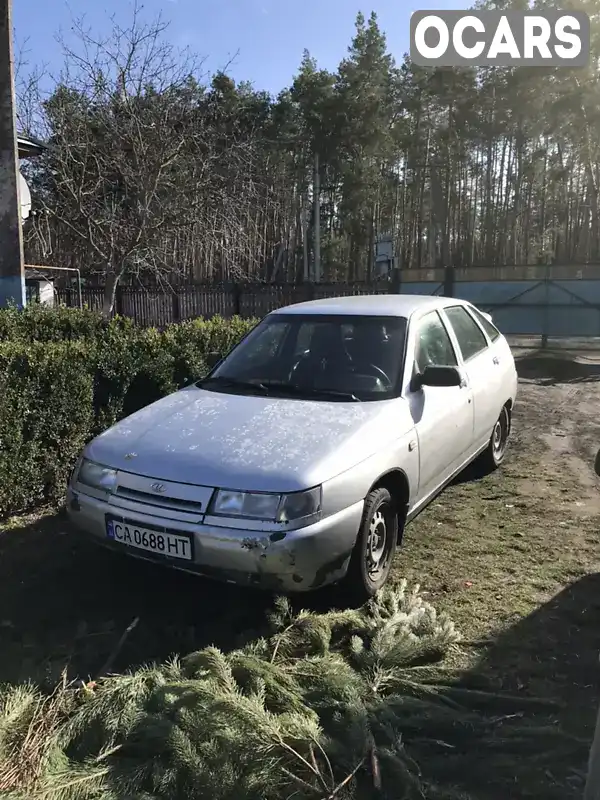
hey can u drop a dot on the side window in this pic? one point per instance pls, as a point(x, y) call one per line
point(433, 348)
point(265, 345)
point(491, 330)
point(470, 338)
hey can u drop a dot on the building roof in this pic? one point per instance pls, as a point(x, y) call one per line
point(385, 305)
point(29, 146)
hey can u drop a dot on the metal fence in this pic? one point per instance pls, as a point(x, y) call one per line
point(547, 301)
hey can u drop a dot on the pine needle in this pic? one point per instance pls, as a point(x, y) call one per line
point(333, 706)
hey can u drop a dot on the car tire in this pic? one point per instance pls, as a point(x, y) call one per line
point(375, 547)
point(494, 454)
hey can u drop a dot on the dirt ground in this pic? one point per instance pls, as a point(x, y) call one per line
point(513, 557)
point(523, 531)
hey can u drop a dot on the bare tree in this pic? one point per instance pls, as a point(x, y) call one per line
point(28, 82)
point(133, 158)
point(155, 171)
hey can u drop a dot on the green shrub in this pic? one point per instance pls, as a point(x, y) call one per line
point(42, 324)
point(130, 371)
point(46, 414)
point(190, 342)
point(66, 375)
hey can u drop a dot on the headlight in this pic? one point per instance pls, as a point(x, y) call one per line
point(299, 505)
point(97, 476)
point(267, 507)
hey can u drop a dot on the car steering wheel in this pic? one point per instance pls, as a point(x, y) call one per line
point(304, 359)
point(381, 374)
point(297, 363)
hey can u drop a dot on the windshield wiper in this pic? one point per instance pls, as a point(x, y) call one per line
point(308, 391)
point(231, 383)
point(277, 386)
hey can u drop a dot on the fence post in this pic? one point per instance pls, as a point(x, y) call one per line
point(310, 290)
point(449, 281)
point(237, 299)
point(396, 282)
point(546, 314)
point(119, 300)
point(176, 307)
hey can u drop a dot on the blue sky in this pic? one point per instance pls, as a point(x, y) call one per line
point(267, 35)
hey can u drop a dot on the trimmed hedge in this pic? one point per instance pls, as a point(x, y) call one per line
point(66, 375)
point(39, 323)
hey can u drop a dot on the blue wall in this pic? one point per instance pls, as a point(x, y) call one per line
point(553, 308)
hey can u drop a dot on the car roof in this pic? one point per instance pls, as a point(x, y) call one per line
point(385, 305)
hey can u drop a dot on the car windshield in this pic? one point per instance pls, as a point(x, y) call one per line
point(337, 357)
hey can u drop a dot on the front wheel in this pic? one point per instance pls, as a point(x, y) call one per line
point(375, 546)
point(493, 455)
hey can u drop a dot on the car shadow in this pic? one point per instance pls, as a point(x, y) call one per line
point(66, 603)
point(470, 474)
point(550, 367)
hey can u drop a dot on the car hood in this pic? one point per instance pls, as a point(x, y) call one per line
point(247, 442)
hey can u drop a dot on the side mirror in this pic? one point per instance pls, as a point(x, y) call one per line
point(597, 463)
point(212, 359)
point(438, 376)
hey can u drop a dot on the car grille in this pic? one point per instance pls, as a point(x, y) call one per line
point(136, 496)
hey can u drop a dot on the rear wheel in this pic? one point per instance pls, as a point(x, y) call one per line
point(375, 546)
point(493, 455)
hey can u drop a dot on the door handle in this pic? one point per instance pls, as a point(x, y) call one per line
point(496, 360)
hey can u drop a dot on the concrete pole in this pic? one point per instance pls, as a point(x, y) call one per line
point(12, 273)
point(317, 219)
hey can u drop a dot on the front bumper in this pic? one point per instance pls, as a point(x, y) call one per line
point(298, 561)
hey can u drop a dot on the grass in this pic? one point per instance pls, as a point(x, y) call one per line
point(512, 557)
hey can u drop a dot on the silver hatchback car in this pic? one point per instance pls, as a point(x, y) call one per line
point(300, 458)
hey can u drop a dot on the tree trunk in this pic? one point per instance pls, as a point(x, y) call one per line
point(110, 293)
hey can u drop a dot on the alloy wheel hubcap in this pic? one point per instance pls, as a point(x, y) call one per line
point(377, 543)
point(500, 435)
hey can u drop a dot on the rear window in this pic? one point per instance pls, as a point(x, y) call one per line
point(491, 330)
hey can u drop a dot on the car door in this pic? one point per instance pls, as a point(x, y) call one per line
point(443, 416)
point(481, 369)
point(502, 357)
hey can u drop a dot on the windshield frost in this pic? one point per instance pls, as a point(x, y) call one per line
point(354, 357)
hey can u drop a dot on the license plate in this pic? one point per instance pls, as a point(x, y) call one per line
point(172, 545)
